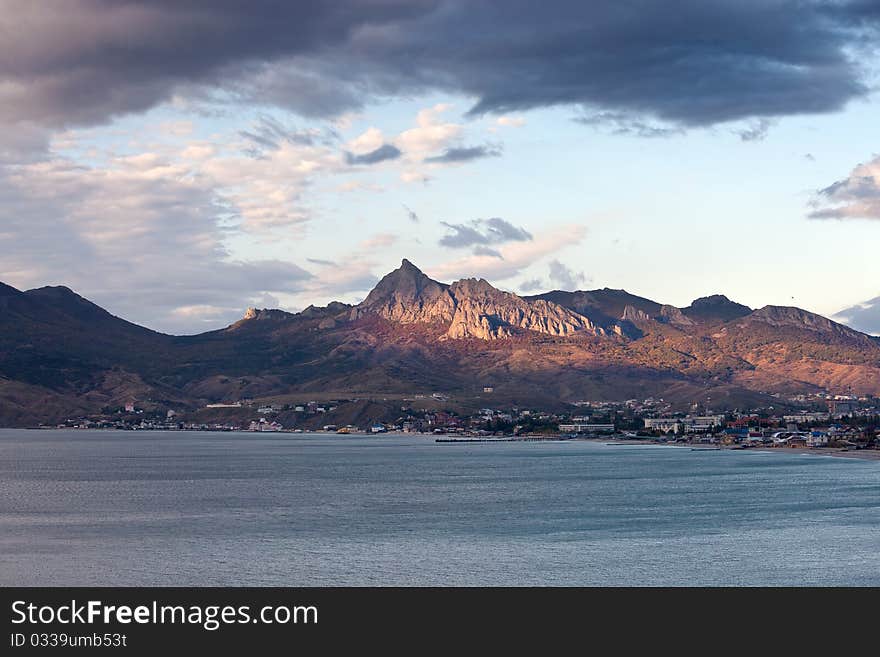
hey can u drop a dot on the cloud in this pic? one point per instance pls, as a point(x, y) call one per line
point(412, 216)
point(430, 133)
point(268, 133)
point(369, 140)
point(415, 176)
point(531, 285)
point(863, 317)
point(359, 186)
point(464, 154)
point(757, 131)
point(139, 238)
point(706, 62)
point(855, 197)
point(516, 256)
point(621, 123)
point(510, 121)
point(483, 232)
point(348, 279)
point(381, 154)
point(379, 241)
point(564, 277)
point(320, 262)
point(485, 250)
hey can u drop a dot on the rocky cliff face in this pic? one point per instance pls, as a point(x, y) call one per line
point(470, 308)
point(672, 315)
point(482, 311)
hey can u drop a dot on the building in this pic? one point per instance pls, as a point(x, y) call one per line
point(817, 439)
point(262, 425)
point(841, 407)
point(804, 418)
point(586, 428)
point(689, 424)
point(663, 424)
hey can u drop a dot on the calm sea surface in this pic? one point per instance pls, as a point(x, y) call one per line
point(138, 508)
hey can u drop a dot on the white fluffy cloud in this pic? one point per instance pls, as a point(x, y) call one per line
point(369, 140)
point(431, 133)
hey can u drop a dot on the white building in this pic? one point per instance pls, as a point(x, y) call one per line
point(802, 418)
point(663, 424)
point(690, 424)
point(586, 428)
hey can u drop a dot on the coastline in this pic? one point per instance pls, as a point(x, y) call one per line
point(861, 454)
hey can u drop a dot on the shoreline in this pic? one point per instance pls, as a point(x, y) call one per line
point(611, 440)
point(861, 454)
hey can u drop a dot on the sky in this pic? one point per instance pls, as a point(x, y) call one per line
point(179, 161)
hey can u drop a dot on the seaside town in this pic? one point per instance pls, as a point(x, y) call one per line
point(845, 422)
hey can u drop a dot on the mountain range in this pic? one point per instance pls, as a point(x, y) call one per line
point(62, 355)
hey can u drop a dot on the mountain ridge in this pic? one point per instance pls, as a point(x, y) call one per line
point(415, 334)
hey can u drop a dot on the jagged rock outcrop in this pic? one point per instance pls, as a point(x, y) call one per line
point(264, 314)
point(673, 315)
point(482, 311)
point(632, 314)
point(470, 308)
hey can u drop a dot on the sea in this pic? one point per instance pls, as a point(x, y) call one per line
point(105, 508)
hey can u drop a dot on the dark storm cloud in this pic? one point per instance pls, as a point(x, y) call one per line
point(686, 63)
point(384, 152)
point(84, 61)
point(482, 232)
point(464, 154)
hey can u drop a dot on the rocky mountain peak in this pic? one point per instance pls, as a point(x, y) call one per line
point(711, 300)
point(407, 295)
point(715, 307)
point(470, 308)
